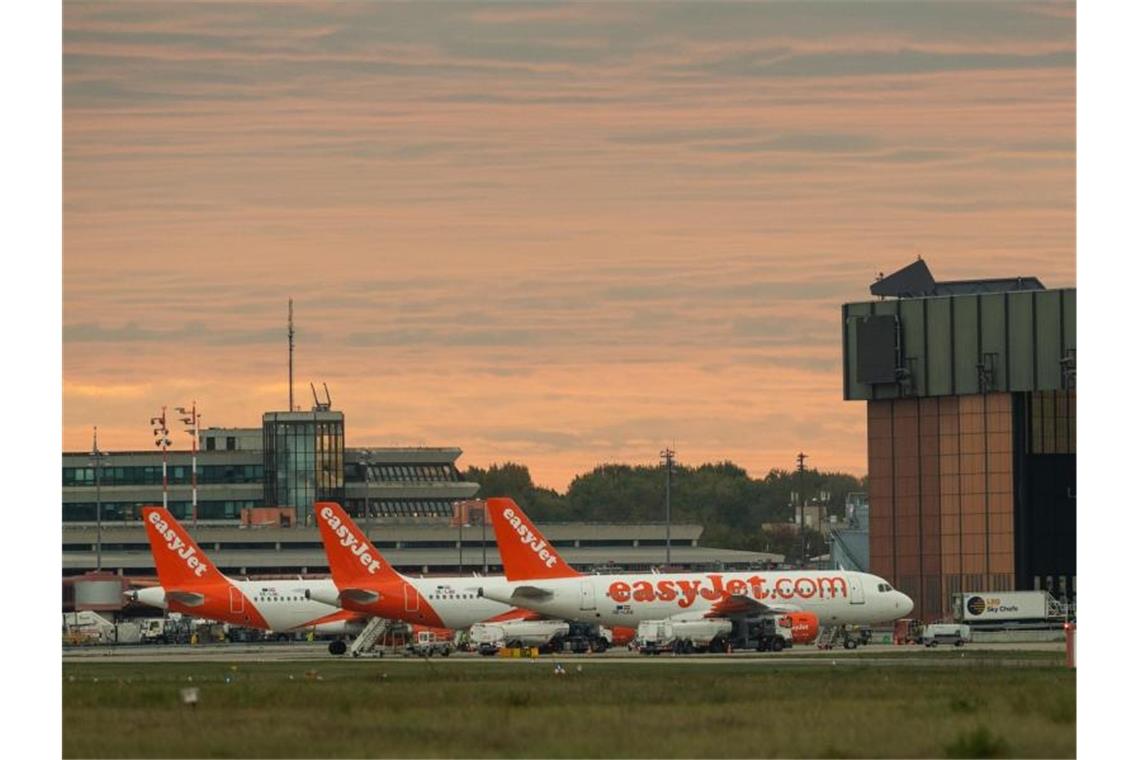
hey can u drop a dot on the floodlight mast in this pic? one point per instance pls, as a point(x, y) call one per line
point(97, 458)
point(192, 418)
point(162, 440)
point(667, 458)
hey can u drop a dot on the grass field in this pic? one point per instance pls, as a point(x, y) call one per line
point(386, 708)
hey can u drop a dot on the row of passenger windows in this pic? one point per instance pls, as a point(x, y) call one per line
point(452, 596)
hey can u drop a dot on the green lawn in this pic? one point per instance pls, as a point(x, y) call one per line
point(386, 708)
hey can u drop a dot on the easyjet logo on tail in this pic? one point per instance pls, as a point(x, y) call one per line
point(349, 540)
point(536, 544)
point(186, 552)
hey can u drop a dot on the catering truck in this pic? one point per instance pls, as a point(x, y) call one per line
point(1007, 608)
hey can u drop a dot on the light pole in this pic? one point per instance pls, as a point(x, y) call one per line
point(463, 517)
point(667, 457)
point(162, 440)
point(97, 457)
point(803, 541)
point(483, 524)
point(191, 418)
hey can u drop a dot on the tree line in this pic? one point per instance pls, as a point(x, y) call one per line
point(722, 497)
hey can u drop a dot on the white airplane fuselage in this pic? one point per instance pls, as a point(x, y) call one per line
point(276, 605)
point(835, 597)
point(447, 601)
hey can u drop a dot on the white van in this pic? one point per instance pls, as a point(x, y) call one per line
point(945, 633)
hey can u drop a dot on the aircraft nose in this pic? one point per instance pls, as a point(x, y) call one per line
point(905, 604)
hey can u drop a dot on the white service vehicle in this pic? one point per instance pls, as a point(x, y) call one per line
point(945, 633)
point(489, 638)
point(428, 644)
point(681, 636)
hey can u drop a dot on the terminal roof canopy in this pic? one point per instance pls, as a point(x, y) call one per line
point(915, 280)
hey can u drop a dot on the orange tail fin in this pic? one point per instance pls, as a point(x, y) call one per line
point(180, 562)
point(526, 553)
point(352, 557)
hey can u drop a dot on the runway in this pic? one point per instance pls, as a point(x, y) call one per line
point(870, 655)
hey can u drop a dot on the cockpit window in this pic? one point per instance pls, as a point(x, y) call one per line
point(884, 587)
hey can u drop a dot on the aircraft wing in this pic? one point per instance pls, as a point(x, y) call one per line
point(739, 605)
point(188, 598)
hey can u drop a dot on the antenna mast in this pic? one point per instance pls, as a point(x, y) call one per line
point(290, 354)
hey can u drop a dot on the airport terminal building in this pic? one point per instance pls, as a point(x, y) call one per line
point(297, 458)
point(970, 389)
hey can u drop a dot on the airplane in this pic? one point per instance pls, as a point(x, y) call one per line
point(365, 583)
point(190, 583)
point(539, 579)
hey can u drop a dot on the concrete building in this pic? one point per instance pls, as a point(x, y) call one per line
point(970, 389)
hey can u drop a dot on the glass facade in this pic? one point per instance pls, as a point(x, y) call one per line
point(1053, 422)
point(402, 507)
point(150, 475)
point(405, 473)
point(304, 460)
point(126, 511)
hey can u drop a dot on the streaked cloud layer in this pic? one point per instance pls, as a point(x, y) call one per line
point(558, 234)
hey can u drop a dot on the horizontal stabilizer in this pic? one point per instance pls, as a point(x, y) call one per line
point(360, 595)
point(532, 594)
point(188, 598)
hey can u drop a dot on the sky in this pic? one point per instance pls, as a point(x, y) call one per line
point(561, 235)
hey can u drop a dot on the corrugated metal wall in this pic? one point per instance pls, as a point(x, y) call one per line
point(1021, 336)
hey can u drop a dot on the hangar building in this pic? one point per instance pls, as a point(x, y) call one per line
point(970, 389)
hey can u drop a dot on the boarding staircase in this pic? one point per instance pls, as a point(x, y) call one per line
point(829, 636)
point(366, 639)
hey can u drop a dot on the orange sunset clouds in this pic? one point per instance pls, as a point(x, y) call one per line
point(555, 234)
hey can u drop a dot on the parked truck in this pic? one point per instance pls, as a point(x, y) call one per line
point(763, 633)
point(1006, 608)
point(581, 638)
point(681, 636)
point(429, 644)
point(489, 638)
